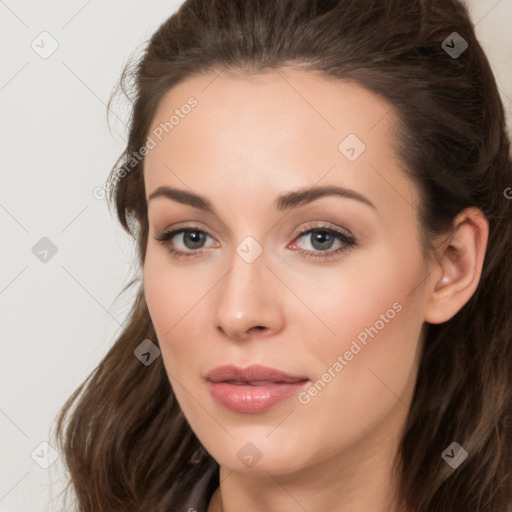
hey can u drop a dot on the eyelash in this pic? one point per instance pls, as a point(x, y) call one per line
point(349, 242)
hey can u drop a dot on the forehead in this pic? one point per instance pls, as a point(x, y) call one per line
point(274, 130)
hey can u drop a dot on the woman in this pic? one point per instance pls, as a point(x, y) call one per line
point(318, 192)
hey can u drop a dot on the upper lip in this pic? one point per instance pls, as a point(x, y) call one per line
point(253, 373)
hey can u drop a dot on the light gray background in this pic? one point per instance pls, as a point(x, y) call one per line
point(59, 317)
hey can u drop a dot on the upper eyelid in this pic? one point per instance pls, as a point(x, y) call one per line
point(311, 226)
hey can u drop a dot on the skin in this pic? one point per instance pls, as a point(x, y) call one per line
point(249, 139)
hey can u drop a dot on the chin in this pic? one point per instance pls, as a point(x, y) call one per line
point(257, 456)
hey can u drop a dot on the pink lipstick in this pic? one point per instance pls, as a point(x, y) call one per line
point(253, 389)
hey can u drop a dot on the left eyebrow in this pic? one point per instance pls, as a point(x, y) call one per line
point(283, 202)
point(306, 195)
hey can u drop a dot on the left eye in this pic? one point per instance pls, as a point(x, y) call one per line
point(321, 238)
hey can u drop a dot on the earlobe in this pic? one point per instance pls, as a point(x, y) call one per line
point(458, 266)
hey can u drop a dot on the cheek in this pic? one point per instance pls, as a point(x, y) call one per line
point(170, 290)
point(371, 295)
point(367, 367)
point(174, 296)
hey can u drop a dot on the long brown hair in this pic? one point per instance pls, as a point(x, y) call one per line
point(124, 437)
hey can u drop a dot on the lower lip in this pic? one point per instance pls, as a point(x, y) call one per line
point(253, 399)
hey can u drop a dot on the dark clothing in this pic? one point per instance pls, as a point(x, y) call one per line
point(201, 493)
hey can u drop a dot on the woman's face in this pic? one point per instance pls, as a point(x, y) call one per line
point(326, 288)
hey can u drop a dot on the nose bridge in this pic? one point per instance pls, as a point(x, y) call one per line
point(247, 297)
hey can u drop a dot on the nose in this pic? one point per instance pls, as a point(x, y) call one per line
point(249, 301)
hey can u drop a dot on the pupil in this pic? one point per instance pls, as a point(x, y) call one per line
point(195, 237)
point(322, 237)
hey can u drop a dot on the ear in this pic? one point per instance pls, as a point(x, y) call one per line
point(457, 271)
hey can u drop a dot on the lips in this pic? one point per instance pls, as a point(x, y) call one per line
point(253, 389)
